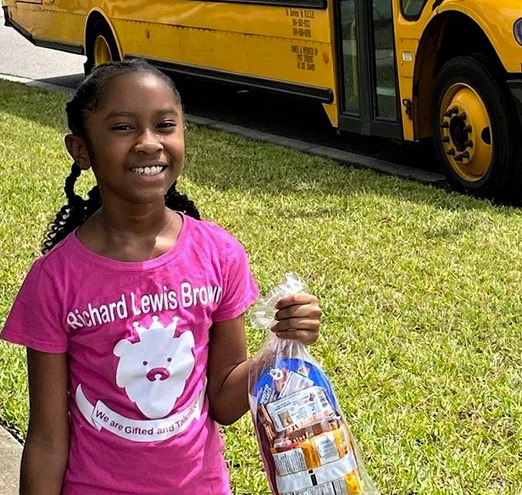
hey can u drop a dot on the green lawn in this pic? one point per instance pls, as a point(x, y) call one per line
point(421, 291)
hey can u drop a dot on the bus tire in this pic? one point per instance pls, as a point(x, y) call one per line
point(101, 46)
point(476, 132)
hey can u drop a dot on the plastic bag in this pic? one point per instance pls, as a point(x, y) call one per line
point(306, 445)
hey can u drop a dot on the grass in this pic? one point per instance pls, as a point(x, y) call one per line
point(421, 291)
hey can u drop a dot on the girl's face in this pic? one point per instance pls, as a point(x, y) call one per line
point(135, 140)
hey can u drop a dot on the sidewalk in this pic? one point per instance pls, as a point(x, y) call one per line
point(10, 452)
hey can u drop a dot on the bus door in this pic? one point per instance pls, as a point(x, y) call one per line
point(368, 89)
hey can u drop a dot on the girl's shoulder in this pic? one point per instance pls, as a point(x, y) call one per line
point(51, 269)
point(208, 230)
point(65, 249)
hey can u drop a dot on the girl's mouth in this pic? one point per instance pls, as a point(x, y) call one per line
point(155, 170)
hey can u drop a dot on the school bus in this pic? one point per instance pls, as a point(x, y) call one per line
point(446, 70)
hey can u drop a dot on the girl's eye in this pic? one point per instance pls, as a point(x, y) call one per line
point(169, 360)
point(121, 127)
point(167, 125)
point(145, 363)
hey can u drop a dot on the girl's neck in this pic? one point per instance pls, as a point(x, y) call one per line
point(137, 236)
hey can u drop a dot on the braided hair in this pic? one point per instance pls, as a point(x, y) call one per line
point(86, 100)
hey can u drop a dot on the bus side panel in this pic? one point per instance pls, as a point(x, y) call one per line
point(288, 45)
point(283, 44)
point(48, 25)
point(291, 60)
point(235, 17)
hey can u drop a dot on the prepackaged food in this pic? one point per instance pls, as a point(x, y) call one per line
point(306, 445)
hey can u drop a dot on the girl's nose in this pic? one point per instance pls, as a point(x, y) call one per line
point(148, 142)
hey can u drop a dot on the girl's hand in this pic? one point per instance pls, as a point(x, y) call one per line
point(299, 317)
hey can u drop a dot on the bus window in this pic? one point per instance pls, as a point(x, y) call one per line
point(350, 59)
point(384, 60)
point(411, 9)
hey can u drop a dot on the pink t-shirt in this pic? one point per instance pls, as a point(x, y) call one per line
point(137, 336)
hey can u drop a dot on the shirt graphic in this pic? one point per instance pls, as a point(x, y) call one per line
point(153, 371)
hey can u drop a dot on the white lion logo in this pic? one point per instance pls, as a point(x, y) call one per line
point(154, 370)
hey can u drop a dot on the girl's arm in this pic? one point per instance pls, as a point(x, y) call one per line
point(46, 449)
point(227, 371)
point(299, 317)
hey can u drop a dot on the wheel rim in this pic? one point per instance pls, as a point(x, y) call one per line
point(102, 52)
point(465, 131)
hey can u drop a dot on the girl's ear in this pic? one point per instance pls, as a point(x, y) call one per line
point(77, 148)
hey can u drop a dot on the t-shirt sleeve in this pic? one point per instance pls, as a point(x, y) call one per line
point(240, 290)
point(35, 320)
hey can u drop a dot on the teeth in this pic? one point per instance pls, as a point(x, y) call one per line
point(148, 170)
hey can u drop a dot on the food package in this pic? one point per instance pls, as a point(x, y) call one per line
point(306, 445)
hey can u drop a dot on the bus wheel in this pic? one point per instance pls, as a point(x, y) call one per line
point(101, 46)
point(475, 130)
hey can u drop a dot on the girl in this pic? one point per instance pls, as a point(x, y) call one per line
point(134, 317)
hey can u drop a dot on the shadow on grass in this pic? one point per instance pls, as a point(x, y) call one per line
point(69, 83)
point(228, 162)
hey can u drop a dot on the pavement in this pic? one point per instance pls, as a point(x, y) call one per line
point(10, 453)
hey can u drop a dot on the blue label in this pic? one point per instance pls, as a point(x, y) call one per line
point(290, 375)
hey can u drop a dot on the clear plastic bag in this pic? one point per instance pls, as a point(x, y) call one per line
point(306, 445)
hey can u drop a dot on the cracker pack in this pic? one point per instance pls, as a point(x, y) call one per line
point(306, 445)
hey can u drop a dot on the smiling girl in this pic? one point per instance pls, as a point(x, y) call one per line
point(134, 317)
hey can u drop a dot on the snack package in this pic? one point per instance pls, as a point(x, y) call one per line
point(306, 445)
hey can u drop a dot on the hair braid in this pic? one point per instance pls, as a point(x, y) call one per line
point(73, 214)
point(180, 202)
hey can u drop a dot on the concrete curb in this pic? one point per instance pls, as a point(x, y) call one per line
point(346, 157)
point(10, 454)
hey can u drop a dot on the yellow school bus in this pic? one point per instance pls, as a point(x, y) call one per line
point(447, 70)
